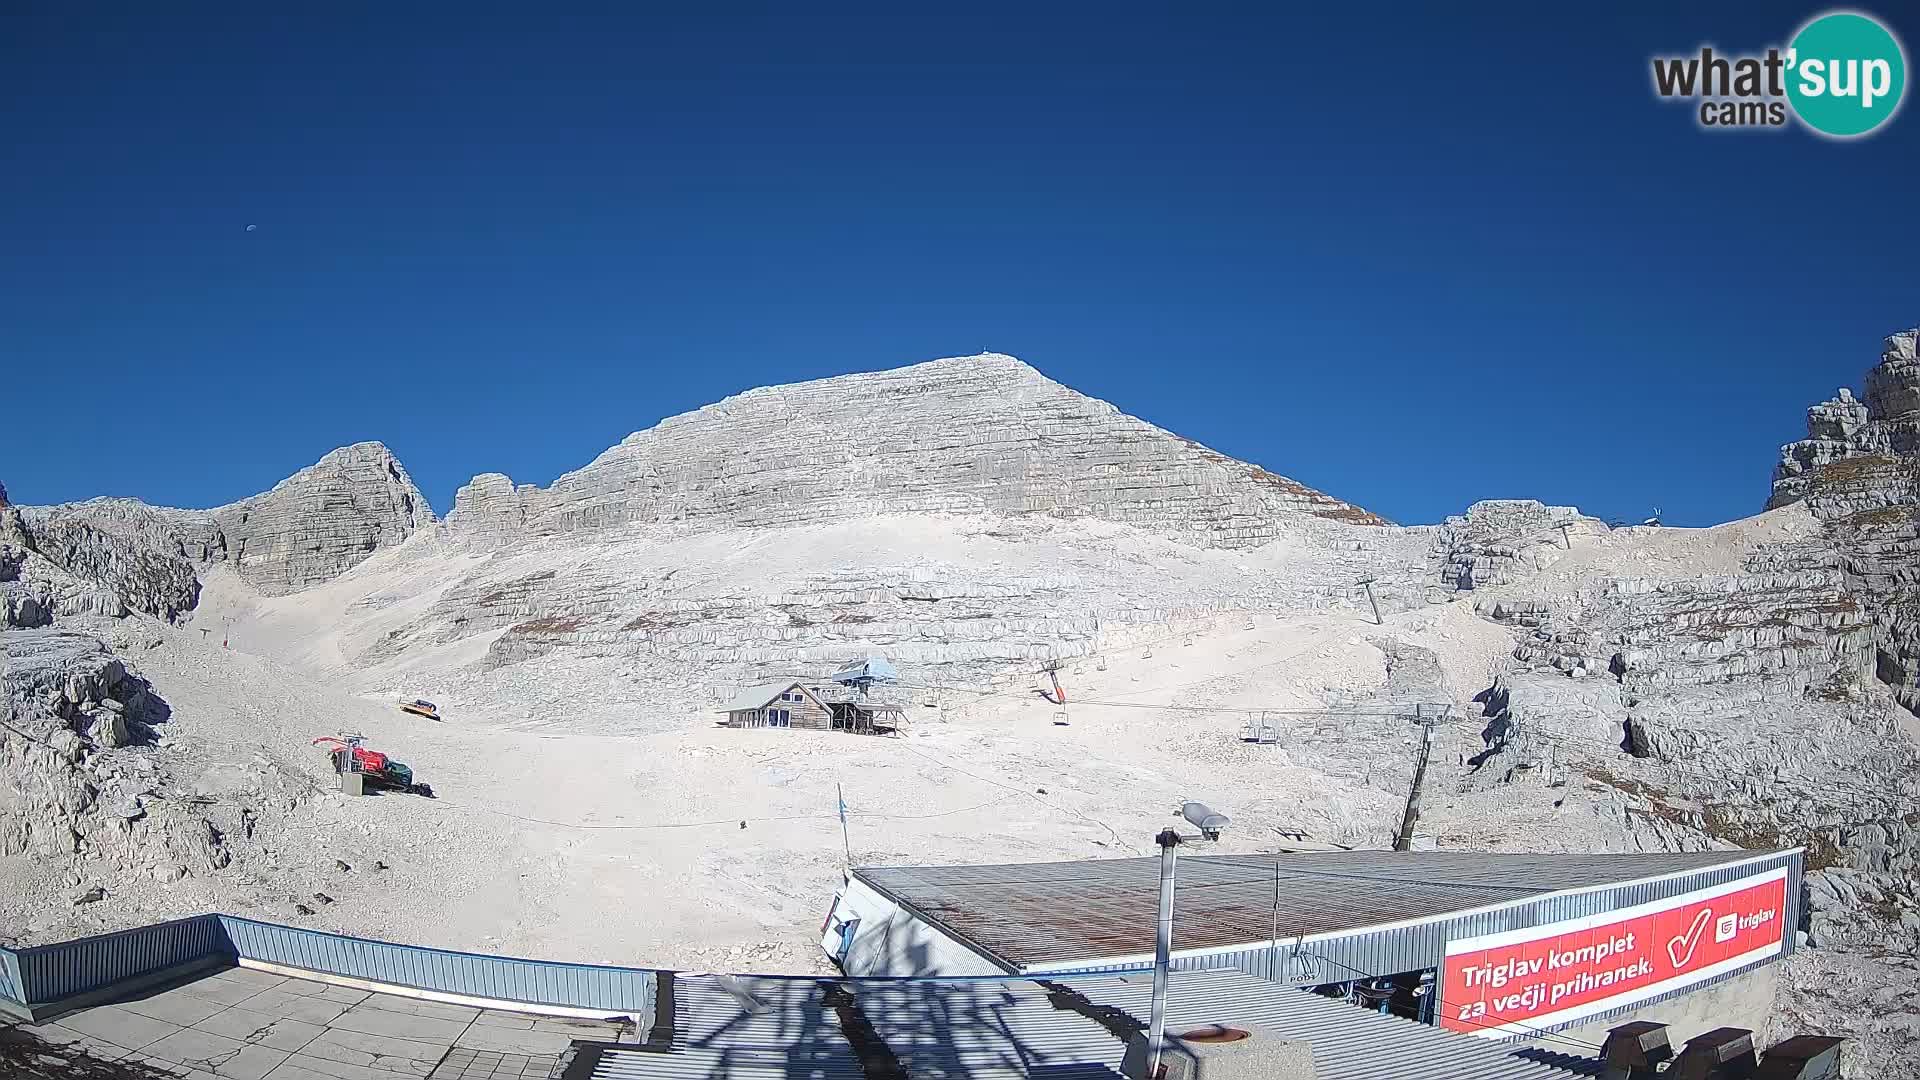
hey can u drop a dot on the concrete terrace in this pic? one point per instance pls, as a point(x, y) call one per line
point(245, 1024)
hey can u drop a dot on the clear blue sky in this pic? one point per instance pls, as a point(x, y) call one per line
point(1414, 258)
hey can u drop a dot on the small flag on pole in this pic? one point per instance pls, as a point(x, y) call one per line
point(845, 841)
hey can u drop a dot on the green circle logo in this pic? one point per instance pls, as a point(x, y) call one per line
point(1846, 74)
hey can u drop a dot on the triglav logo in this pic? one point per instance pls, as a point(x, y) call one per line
point(1843, 75)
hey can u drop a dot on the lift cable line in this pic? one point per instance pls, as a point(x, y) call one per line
point(1372, 711)
point(594, 827)
point(1034, 795)
point(1823, 789)
point(1407, 713)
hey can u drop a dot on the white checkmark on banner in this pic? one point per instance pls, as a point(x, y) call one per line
point(1680, 949)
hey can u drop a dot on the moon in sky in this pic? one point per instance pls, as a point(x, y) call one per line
point(250, 228)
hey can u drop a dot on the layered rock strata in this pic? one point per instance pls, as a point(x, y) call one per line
point(1881, 434)
point(1858, 471)
point(969, 435)
point(323, 520)
point(310, 528)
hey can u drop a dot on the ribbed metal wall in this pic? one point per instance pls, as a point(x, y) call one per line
point(10, 977)
point(55, 972)
point(626, 991)
point(1412, 948)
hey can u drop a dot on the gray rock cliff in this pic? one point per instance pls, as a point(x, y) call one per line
point(310, 528)
point(1858, 455)
point(323, 520)
point(1859, 472)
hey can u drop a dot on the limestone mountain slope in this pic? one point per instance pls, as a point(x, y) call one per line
point(637, 627)
point(309, 528)
point(1858, 471)
point(970, 435)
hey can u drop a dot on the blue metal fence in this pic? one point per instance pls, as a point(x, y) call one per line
point(49, 973)
point(64, 969)
point(10, 989)
point(626, 991)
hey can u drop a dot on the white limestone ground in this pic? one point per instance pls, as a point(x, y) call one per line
point(671, 765)
point(570, 834)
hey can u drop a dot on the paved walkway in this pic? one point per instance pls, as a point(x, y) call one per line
point(241, 1024)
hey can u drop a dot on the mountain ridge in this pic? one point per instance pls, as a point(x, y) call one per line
point(985, 433)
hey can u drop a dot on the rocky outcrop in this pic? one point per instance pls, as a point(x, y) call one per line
point(1859, 472)
point(1837, 429)
point(323, 520)
point(491, 509)
point(1727, 669)
point(1795, 622)
point(1503, 541)
point(1893, 393)
point(311, 528)
point(66, 699)
point(34, 589)
point(142, 578)
point(1857, 455)
point(184, 534)
point(977, 434)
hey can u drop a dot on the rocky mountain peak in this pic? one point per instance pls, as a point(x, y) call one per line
point(322, 520)
point(974, 434)
point(1858, 455)
point(308, 529)
point(1893, 392)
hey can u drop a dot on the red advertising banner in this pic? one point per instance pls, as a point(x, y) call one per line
point(1517, 980)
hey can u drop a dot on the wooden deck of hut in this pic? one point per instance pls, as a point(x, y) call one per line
point(868, 717)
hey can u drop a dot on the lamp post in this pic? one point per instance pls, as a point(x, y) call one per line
point(1210, 825)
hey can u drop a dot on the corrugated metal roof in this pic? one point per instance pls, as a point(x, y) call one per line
point(746, 1029)
point(873, 667)
point(756, 697)
point(1031, 914)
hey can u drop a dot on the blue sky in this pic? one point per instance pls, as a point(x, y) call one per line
point(1411, 256)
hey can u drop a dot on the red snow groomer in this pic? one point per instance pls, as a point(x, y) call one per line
point(375, 768)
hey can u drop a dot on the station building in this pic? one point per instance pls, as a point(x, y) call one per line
point(1493, 945)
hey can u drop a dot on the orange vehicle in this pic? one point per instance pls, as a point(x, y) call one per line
point(421, 707)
